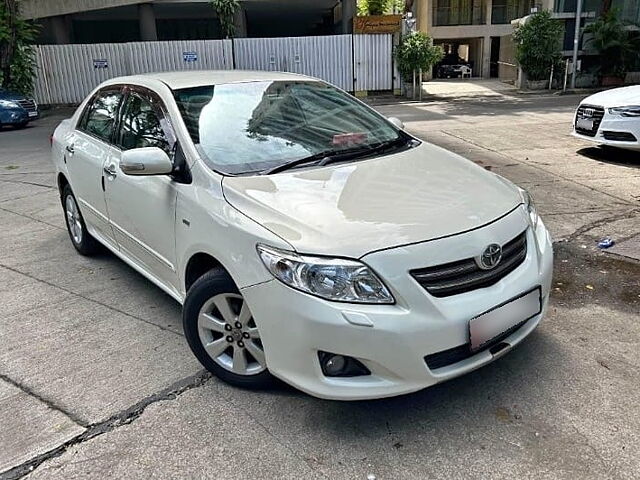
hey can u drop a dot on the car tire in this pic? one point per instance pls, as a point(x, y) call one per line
point(81, 239)
point(20, 126)
point(222, 333)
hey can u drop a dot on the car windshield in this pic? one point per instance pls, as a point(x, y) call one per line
point(255, 126)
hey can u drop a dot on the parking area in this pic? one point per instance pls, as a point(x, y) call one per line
point(96, 378)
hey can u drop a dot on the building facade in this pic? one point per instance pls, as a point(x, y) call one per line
point(106, 21)
point(478, 31)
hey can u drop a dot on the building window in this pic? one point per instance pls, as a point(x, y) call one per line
point(458, 12)
point(503, 11)
point(569, 6)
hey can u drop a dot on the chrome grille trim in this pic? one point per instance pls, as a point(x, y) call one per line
point(589, 111)
point(465, 275)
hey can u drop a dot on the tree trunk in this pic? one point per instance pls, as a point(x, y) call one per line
point(8, 47)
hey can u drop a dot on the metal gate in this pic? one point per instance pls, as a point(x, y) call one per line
point(67, 73)
point(373, 65)
point(327, 57)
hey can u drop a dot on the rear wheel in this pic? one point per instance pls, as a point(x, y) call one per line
point(222, 333)
point(82, 240)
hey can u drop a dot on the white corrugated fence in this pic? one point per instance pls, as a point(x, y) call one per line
point(67, 73)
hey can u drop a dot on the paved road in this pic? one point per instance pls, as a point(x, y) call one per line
point(96, 378)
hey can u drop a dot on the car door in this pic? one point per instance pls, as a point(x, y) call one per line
point(142, 208)
point(87, 150)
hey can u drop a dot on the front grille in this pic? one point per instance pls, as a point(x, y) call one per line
point(462, 352)
point(28, 105)
point(593, 112)
point(465, 275)
point(619, 136)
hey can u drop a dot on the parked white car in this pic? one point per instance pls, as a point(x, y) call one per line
point(611, 117)
point(307, 237)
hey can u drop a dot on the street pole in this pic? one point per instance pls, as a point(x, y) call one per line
point(576, 40)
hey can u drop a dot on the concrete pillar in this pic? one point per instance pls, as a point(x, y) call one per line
point(147, 18)
point(348, 12)
point(488, 11)
point(240, 22)
point(60, 26)
point(486, 56)
point(424, 16)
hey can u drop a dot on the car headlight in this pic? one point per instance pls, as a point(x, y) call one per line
point(335, 279)
point(527, 200)
point(8, 104)
point(630, 111)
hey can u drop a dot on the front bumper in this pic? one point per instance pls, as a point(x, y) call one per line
point(614, 124)
point(393, 340)
point(16, 116)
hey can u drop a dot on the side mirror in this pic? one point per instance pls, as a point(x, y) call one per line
point(146, 161)
point(397, 122)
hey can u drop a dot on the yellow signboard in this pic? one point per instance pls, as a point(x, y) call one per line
point(377, 24)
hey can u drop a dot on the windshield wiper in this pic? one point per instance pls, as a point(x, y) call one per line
point(332, 156)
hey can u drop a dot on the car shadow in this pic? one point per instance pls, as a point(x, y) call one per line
point(612, 155)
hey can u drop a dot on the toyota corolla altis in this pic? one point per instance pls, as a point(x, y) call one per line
point(307, 237)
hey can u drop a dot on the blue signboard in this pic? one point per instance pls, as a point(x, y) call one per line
point(100, 63)
point(190, 56)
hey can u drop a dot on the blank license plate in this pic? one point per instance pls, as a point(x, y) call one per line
point(585, 123)
point(489, 325)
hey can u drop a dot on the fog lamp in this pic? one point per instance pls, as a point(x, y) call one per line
point(334, 365)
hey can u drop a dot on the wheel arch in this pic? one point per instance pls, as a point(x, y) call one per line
point(198, 264)
point(62, 182)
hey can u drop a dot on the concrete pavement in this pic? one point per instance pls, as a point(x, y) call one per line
point(96, 379)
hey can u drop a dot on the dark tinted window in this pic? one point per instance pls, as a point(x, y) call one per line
point(142, 125)
point(100, 117)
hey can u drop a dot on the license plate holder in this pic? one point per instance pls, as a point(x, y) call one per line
point(585, 123)
point(489, 325)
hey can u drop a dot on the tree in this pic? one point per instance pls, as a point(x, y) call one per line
point(380, 7)
point(416, 51)
point(17, 56)
point(538, 45)
point(614, 42)
point(226, 10)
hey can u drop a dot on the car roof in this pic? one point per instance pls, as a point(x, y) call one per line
point(198, 78)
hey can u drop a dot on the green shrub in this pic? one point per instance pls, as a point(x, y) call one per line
point(416, 51)
point(17, 55)
point(538, 45)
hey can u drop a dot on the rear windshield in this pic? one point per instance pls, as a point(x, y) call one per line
point(249, 127)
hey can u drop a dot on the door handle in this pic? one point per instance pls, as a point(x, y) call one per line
point(110, 170)
point(70, 148)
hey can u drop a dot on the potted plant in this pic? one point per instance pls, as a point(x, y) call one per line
point(538, 48)
point(609, 36)
point(414, 53)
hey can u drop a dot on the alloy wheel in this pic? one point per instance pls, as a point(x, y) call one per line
point(230, 336)
point(73, 219)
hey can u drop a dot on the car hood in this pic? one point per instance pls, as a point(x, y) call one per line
point(617, 97)
point(352, 209)
point(6, 95)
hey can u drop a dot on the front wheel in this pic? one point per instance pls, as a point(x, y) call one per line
point(222, 333)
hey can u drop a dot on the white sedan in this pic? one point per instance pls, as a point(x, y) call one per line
point(611, 117)
point(308, 238)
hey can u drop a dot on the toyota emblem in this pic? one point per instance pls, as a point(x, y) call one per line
point(490, 258)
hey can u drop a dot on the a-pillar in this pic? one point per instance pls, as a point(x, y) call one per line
point(148, 30)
